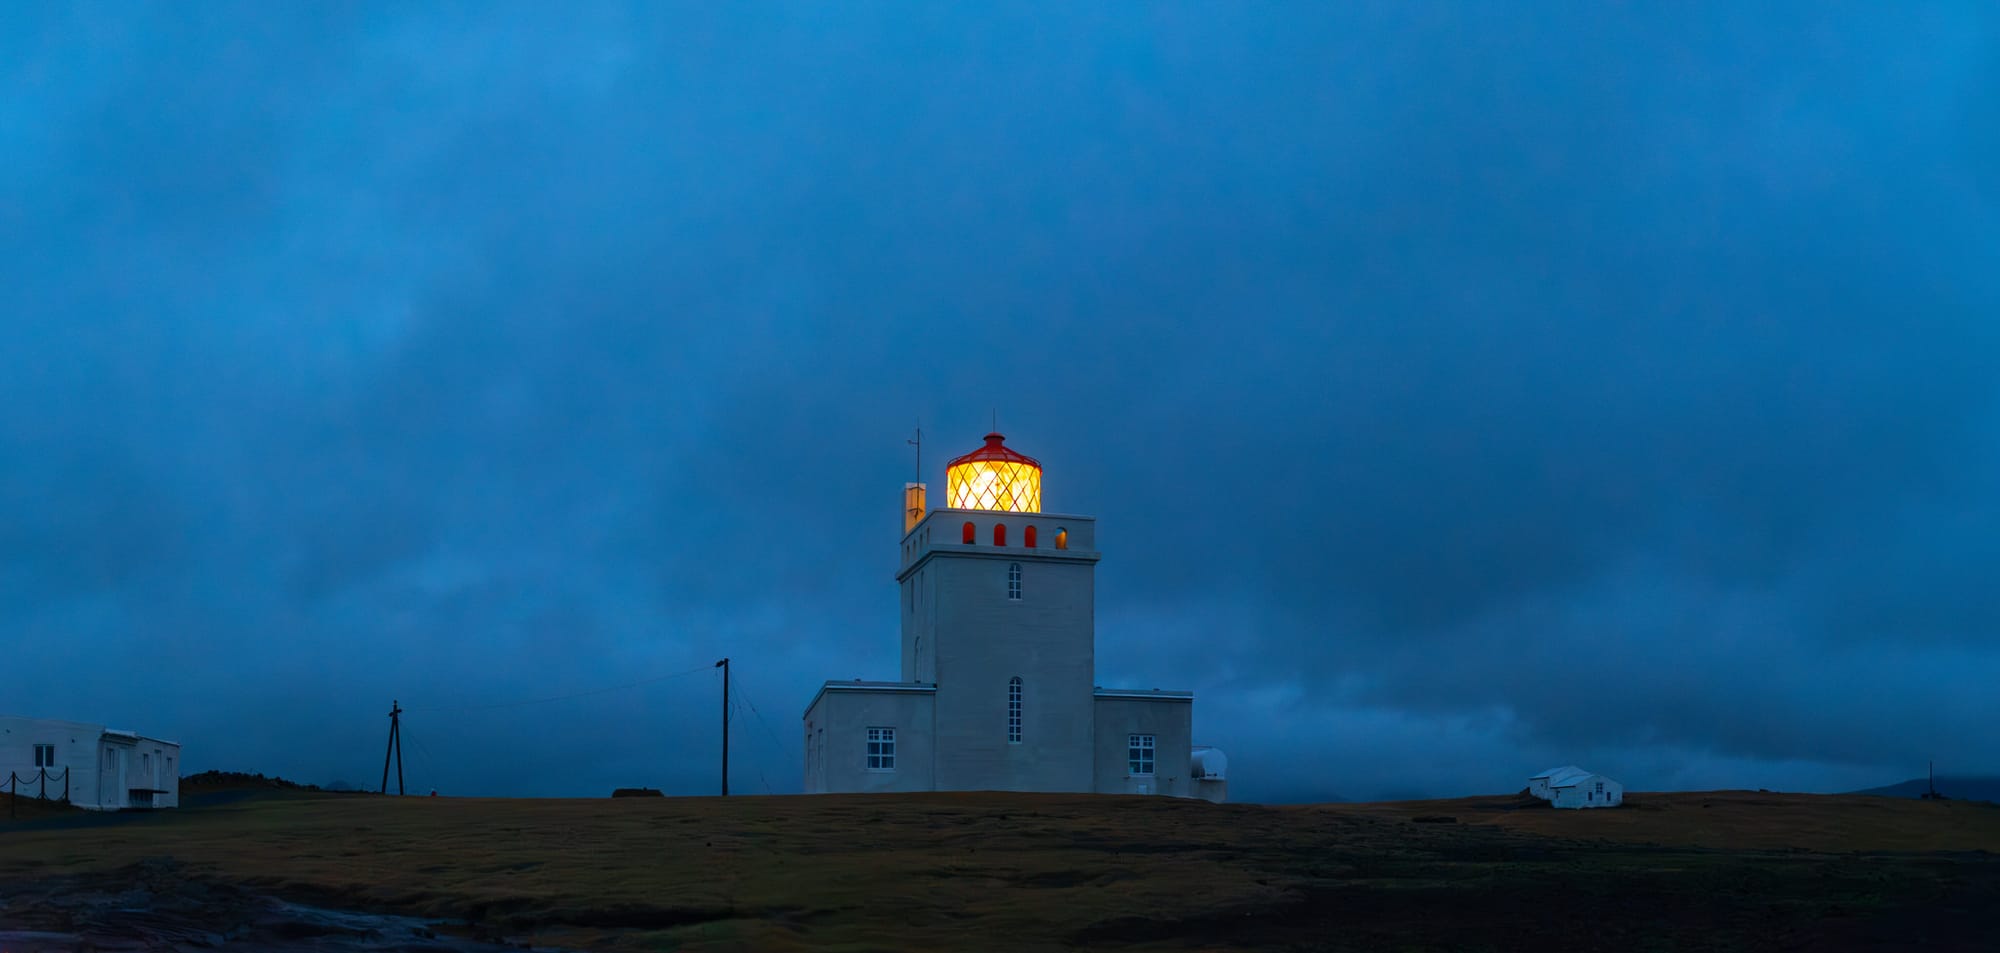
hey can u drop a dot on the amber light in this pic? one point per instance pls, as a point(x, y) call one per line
point(994, 478)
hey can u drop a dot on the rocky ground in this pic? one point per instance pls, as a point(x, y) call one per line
point(289, 870)
point(158, 906)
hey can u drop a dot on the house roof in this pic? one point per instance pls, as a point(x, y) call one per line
point(130, 735)
point(1579, 779)
point(885, 688)
point(1558, 772)
point(1155, 693)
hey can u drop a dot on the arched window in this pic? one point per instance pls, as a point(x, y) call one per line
point(971, 533)
point(1014, 710)
point(1028, 537)
point(999, 534)
point(1062, 538)
point(1014, 581)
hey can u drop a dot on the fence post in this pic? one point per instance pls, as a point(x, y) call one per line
point(45, 784)
point(13, 787)
point(66, 772)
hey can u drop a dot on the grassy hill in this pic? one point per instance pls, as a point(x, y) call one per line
point(1956, 788)
point(1718, 870)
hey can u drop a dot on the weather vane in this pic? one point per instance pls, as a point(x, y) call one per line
point(918, 442)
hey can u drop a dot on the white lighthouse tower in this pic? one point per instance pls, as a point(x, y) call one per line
point(998, 657)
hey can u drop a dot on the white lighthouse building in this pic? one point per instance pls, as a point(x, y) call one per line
point(998, 690)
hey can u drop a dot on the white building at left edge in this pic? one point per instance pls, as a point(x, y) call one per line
point(106, 769)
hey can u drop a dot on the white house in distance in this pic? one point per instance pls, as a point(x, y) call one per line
point(106, 769)
point(1573, 787)
point(999, 685)
point(1540, 785)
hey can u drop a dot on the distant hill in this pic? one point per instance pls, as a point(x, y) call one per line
point(238, 781)
point(1956, 788)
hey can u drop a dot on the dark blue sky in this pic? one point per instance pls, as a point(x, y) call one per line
point(1462, 390)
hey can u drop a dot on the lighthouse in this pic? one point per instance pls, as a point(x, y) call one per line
point(998, 692)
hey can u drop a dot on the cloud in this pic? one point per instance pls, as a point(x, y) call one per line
point(1459, 393)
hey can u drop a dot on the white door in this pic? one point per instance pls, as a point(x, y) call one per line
point(107, 777)
point(111, 780)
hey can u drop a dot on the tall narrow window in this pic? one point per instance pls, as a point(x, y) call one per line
point(45, 756)
point(1028, 537)
point(999, 534)
point(1014, 581)
point(1014, 710)
point(971, 533)
point(1062, 538)
point(1139, 756)
point(881, 749)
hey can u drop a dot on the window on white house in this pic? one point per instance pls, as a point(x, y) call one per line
point(1139, 755)
point(1014, 581)
point(881, 749)
point(45, 756)
point(1014, 710)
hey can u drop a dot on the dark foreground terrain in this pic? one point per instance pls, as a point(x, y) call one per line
point(287, 869)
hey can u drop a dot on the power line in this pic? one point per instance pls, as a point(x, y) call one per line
point(783, 749)
point(760, 768)
point(430, 763)
point(558, 698)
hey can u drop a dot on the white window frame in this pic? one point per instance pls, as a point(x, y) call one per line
point(1014, 582)
point(1139, 756)
point(881, 756)
point(45, 756)
point(1014, 710)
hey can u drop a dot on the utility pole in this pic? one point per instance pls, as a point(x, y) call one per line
point(724, 666)
point(395, 748)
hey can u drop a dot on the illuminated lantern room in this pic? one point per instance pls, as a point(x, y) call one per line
point(994, 478)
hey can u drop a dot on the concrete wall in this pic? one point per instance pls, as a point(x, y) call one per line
point(76, 751)
point(943, 530)
point(150, 764)
point(840, 763)
point(940, 536)
point(1584, 794)
point(1169, 720)
point(965, 638)
point(977, 640)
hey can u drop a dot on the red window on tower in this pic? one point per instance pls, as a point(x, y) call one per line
point(971, 533)
point(1028, 537)
point(999, 534)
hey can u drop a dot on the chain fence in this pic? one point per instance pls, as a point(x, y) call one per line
point(40, 779)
